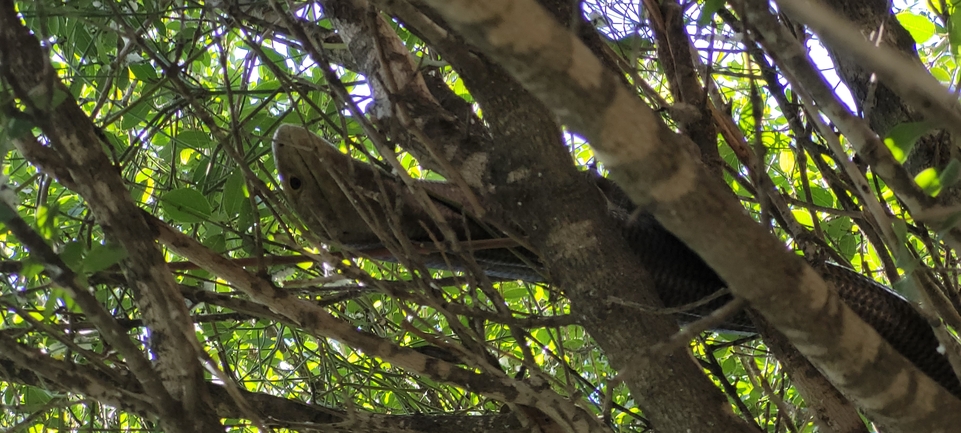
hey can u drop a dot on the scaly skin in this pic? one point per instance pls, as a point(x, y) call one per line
point(680, 276)
point(315, 176)
point(309, 167)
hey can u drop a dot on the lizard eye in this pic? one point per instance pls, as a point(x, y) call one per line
point(295, 183)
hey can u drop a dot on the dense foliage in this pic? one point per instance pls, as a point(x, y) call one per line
point(185, 97)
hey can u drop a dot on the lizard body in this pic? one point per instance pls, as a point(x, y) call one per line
point(351, 202)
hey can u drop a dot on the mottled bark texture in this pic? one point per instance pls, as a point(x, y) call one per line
point(676, 55)
point(880, 105)
point(181, 401)
point(677, 58)
point(520, 156)
point(648, 160)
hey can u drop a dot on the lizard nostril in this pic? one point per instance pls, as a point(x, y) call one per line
point(295, 183)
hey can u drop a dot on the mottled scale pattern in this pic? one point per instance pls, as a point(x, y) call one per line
point(679, 275)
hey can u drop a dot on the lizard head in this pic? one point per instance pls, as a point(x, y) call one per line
point(312, 173)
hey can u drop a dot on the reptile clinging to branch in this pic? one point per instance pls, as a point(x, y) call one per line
point(354, 204)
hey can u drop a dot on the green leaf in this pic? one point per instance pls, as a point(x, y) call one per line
point(707, 12)
point(954, 32)
point(45, 101)
point(941, 74)
point(34, 398)
point(902, 138)
point(920, 27)
point(217, 243)
point(102, 257)
point(268, 85)
point(837, 227)
point(138, 113)
point(905, 260)
point(30, 269)
point(848, 246)
point(72, 254)
point(246, 218)
point(195, 139)
point(46, 220)
point(199, 176)
point(906, 287)
point(17, 128)
point(460, 89)
point(81, 39)
point(633, 42)
point(929, 181)
point(235, 193)
point(185, 205)
point(274, 57)
point(803, 217)
point(52, 303)
point(514, 292)
point(821, 196)
point(144, 72)
point(115, 141)
point(951, 173)
point(106, 45)
point(900, 230)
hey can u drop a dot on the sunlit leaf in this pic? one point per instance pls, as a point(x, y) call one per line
point(187, 155)
point(902, 138)
point(940, 74)
point(929, 181)
point(920, 27)
point(235, 193)
point(30, 269)
point(143, 72)
point(46, 220)
point(803, 217)
point(786, 161)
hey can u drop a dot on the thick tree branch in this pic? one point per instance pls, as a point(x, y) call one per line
point(318, 321)
point(650, 162)
point(468, 146)
point(58, 375)
point(27, 70)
